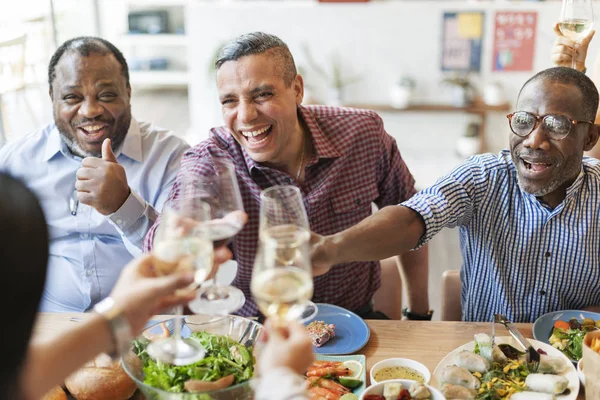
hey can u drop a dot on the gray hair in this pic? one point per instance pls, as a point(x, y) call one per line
point(570, 76)
point(259, 43)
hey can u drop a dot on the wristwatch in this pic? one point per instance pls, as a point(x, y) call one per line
point(415, 316)
point(119, 326)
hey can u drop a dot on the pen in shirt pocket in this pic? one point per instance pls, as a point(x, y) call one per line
point(74, 203)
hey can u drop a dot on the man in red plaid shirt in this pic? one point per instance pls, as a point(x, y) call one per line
point(342, 160)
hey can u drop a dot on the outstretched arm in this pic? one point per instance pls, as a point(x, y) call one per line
point(390, 231)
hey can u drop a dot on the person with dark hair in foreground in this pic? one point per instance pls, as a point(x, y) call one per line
point(32, 368)
point(137, 296)
point(100, 174)
point(529, 217)
point(341, 159)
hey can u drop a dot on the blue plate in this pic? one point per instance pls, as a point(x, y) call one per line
point(542, 327)
point(351, 331)
point(356, 357)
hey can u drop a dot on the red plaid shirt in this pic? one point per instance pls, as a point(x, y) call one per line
point(355, 163)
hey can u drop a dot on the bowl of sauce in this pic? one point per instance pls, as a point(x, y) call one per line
point(399, 368)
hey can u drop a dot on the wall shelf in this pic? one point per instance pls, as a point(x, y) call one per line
point(478, 108)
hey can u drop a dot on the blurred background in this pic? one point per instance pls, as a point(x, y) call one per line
point(442, 74)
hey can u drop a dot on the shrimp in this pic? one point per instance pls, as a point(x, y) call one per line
point(165, 333)
point(325, 393)
point(324, 371)
point(328, 384)
point(322, 363)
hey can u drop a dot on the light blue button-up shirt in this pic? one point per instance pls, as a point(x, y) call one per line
point(88, 250)
point(520, 258)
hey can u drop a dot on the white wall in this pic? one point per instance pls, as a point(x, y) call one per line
point(378, 40)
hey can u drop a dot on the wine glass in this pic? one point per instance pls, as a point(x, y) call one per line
point(576, 21)
point(182, 243)
point(217, 185)
point(283, 222)
point(282, 283)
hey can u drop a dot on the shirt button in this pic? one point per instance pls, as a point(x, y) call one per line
point(543, 292)
point(89, 272)
point(287, 180)
point(119, 221)
point(358, 202)
point(548, 254)
point(85, 235)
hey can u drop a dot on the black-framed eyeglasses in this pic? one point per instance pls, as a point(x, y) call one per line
point(558, 127)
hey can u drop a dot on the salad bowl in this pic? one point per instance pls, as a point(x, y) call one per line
point(148, 374)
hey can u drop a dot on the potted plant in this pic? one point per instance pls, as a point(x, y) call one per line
point(401, 92)
point(335, 79)
point(462, 89)
point(469, 143)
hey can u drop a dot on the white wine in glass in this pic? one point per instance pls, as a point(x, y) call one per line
point(182, 244)
point(576, 21)
point(282, 283)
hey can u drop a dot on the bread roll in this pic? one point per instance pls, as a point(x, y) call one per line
point(57, 393)
point(101, 379)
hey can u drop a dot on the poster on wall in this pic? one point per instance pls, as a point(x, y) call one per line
point(514, 40)
point(462, 41)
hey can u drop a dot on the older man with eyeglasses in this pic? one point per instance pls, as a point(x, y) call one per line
point(529, 218)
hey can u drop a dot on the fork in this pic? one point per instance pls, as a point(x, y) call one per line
point(533, 357)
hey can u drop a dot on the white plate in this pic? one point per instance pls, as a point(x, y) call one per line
point(570, 373)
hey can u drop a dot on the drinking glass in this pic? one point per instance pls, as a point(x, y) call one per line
point(182, 243)
point(215, 182)
point(282, 283)
point(284, 242)
point(576, 21)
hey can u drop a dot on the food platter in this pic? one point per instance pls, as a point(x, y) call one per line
point(570, 373)
point(543, 326)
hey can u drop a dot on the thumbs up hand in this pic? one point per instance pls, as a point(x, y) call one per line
point(102, 182)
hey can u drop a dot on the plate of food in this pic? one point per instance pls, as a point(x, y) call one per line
point(335, 330)
point(336, 376)
point(565, 330)
point(468, 373)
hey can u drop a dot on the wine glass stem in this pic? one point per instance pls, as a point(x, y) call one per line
point(177, 328)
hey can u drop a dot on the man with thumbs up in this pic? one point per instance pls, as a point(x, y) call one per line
point(101, 175)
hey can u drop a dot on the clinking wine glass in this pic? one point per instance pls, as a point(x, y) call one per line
point(182, 243)
point(217, 185)
point(282, 283)
point(283, 218)
point(576, 21)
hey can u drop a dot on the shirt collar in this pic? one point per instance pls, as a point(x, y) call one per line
point(132, 145)
point(323, 146)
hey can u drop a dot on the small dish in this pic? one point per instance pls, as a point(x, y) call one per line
point(400, 362)
point(406, 384)
point(580, 372)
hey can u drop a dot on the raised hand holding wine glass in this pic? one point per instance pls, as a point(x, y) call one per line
point(576, 21)
point(182, 242)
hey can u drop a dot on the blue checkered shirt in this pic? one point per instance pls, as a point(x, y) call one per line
point(520, 258)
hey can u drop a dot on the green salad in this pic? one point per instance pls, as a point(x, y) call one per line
point(224, 357)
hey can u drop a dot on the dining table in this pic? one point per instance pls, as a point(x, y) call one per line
point(425, 341)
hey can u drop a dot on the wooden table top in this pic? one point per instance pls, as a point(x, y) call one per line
point(426, 342)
